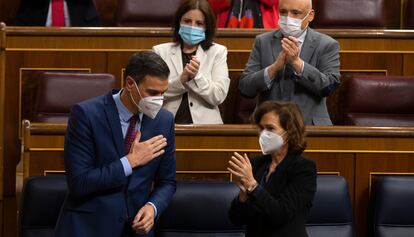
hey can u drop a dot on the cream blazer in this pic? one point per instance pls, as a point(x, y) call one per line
point(206, 91)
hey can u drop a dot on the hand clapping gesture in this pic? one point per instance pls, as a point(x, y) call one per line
point(291, 47)
point(241, 168)
point(190, 70)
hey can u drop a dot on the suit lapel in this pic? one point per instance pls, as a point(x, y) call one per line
point(146, 128)
point(176, 59)
point(201, 55)
point(308, 46)
point(112, 117)
point(276, 44)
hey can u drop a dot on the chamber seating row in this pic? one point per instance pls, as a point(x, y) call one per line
point(197, 209)
point(368, 100)
point(201, 208)
point(378, 14)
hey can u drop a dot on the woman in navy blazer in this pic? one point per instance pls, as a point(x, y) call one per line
point(276, 189)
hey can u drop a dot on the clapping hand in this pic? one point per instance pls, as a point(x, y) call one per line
point(241, 168)
point(291, 47)
point(190, 70)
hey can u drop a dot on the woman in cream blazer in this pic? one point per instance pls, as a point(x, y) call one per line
point(207, 88)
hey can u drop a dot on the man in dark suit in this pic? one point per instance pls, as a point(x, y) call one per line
point(39, 13)
point(294, 63)
point(119, 184)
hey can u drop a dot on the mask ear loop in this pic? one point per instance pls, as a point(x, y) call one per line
point(306, 14)
point(132, 98)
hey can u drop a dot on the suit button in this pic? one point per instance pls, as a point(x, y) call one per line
point(191, 104)
point(121, 219)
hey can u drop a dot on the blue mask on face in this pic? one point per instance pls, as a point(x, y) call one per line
point(191, 35)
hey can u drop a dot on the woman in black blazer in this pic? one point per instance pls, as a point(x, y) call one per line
point(276, 189)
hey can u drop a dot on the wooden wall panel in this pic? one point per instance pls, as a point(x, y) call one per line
point(372, 61)
point(2, 118)
point(408, 69)
point(45, 161)
point(341, 164)
point(376, 164)
point(237, 59)
point(116, 64)
point(371, 41)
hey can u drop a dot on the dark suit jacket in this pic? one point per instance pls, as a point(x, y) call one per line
point(279, 207)
point(320, 76)
point(101, 199)
point(34, 13)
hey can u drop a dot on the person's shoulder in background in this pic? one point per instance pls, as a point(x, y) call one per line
point(35, 13)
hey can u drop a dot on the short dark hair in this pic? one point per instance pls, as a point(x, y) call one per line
point(145, 63)
point(210, 21)
point(291, 120)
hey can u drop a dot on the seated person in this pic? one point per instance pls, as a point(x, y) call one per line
point(294, 63)
point(199, 78)
point(276, 189)
point(57, 13)
point(246, 13)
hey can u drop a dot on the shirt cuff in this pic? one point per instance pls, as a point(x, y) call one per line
point(301, 70)
point(266, 78)
point(126, 165)
point(155, 208)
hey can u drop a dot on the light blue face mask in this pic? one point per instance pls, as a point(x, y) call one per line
point(192, 35)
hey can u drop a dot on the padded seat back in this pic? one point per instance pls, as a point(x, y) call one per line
point(244, 109)
point(357, 14)
point(392, 200)
point(379, 101)
point(409, 16)
point(42, 199)
point(59, 91)
point(146, 13)
point(200, 209)
point(331, 213)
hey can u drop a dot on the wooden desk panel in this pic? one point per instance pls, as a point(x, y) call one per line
point(370, 165)
point(202, 153)
point(2, 123)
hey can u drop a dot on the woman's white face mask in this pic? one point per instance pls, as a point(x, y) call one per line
point(270, 142)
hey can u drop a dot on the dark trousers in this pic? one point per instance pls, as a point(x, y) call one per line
point(127, 232)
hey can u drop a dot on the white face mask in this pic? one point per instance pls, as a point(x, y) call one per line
point(270, 142)
point(149, 105)
point(291, 26)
